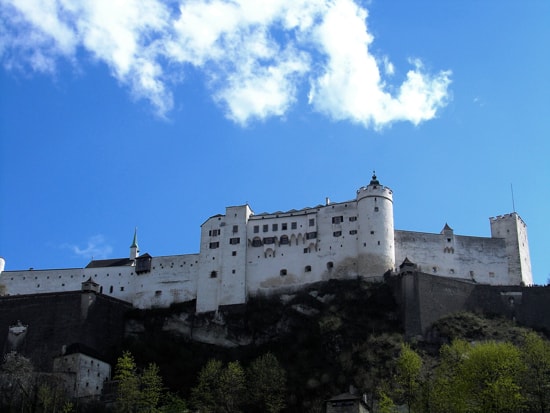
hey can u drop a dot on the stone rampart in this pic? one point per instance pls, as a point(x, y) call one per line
point(39, 325)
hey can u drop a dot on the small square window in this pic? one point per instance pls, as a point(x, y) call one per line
point(293, 225)
point(235, 228)
point(283, 272)
point(311, 222)
point(213, 274)
point(376, 209)
point(256, 229)
point(352, 219)
point(353, 232)
point(275, 227)
point(337, 234)
point(234, 241)
point(284, 226)
point(214, 245)
point(233, 253)
point(266, 228)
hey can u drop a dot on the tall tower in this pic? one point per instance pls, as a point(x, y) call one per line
point(376, 248)
point(134, 249)
point(514, 231)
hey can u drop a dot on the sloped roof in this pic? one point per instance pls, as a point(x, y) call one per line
point(113, 262)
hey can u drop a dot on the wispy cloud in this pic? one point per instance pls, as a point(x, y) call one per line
point(96, 247)
point(256, 56)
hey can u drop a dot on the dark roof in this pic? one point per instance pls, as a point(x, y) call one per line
point(80, 348)
point(446, 228)
point(345, 396)
point(114, 262)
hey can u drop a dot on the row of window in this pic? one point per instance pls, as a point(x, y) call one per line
point(284, 226)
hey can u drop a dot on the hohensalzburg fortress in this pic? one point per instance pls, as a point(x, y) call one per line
point(243, 254)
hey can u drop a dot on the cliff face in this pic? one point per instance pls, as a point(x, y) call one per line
point(327, 336)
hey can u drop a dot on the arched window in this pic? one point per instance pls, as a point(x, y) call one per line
point(284, 240)
point(257, 242)
point(330, 265)
point(308, 268)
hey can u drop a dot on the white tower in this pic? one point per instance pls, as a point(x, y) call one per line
point(134, 249)
point(514, 231)
point(376, 248)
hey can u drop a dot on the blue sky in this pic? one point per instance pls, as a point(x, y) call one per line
point(123, 114)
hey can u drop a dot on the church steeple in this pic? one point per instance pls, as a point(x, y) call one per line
point(134, 249)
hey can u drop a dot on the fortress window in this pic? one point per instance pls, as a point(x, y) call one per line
point(269, 240)
point(121, 288)
point(353, 232)
point(311, 222)
point(372, 232)
point(337, 234)
point(284, 240)
point(235, 228)
point(256, 229)
point(293, 225)
point(213, 274)
point(214, 245)
point(284, 226)
point(275, 227)
point(214, 232)
point(233, 253)
point(256, 242)
point(376, 209)
point(283, 272)
point(306, 250)
point(330, 265)
point(235, 241)
point(266, 228)
point(308, 268)
point(232, 271)
point(448, 240)
point(111, 289)
point(311, 235)
point(352, 219)
point(337, 220)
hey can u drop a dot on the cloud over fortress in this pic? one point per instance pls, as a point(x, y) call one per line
point(258, 58)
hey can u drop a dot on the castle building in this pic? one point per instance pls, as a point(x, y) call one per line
point(243, 254)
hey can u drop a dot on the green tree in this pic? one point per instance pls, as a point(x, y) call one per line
point(128, 392)
point(481, 378)
point(536, 381)
point(409, 366)
point(385, 403)
point(220, 389)
point(490, 375)
point(203, 395)
point(266, 382)
point(151, 389)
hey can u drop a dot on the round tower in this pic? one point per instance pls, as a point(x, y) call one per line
point(376, 249)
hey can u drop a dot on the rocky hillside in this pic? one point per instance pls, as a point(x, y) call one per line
point(327, 337)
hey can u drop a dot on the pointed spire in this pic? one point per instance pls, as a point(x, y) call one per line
point(134, 242)
point(134, 249)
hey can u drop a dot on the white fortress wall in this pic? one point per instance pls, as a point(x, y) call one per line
point(473, 258)
point(172, 279)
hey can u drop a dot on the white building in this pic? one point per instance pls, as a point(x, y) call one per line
point(243, 254)
point(82, 373)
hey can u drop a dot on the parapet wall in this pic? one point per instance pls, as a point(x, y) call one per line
point(425, 298)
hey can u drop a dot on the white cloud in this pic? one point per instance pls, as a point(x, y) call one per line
point(96, 248)
point(256, 56)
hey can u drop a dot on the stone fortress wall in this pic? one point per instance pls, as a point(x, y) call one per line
point(243, 254)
